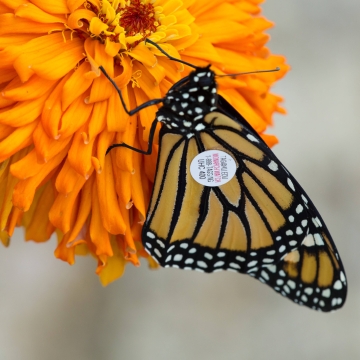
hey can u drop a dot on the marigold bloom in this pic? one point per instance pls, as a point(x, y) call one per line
point(59, 114)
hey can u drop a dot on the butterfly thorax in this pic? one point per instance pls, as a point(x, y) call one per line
point(189, 101)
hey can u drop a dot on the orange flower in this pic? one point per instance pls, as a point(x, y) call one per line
point(59, 114)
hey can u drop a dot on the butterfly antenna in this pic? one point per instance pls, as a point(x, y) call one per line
point(168, 55)
point(250, 72)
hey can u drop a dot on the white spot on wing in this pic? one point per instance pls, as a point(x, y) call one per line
point(160, 243)
point(299, 209)
point(178, 257)
point(252, 138)
point(158, 253)
point(187, 123)
point(308, 290)
point(273, 166)
point(150, 235)
point(318, 240)
point(199, 127)
point(265, 275)
point(271, 268)
point(234, 265)
point(292, 284)
point(308, 241)
point(291, 185)
point(219, 263)
point(239, 258)
point(202, 264)
point(299, 230)
point(338, 285)
point(304, 223)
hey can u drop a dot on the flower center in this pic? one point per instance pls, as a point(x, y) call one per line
point(125, 22)
point(138, 18)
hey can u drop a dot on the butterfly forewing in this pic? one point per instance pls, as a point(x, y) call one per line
point(260, 222)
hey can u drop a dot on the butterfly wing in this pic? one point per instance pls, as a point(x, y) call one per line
point(261, 222)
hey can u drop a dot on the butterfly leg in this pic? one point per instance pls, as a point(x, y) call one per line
point(151, 138)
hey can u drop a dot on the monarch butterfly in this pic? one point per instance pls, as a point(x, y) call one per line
point(260, 222)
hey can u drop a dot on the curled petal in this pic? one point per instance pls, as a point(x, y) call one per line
point(76, 17)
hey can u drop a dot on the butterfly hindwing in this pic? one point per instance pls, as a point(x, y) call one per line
point(260, 222)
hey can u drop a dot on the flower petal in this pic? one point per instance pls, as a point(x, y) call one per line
point(31, 12)
point(24, 191)
point(53, 61)
point(64, 209)
point(52, 112)
point(114, 268)
point(84, 209)
point(24, 112)
point(109, 206)
point(223, 31)
point(32, 89)
point(19, 139)
point(98, 234)
point(80, 154)
point(76, 85)
point(67, 179)
point(52, 7)
point(117, 118)
point(97, 120)
point(40, 228)
point(10, 24)
point(142, 53)
point(76, 18)
point(76, 115)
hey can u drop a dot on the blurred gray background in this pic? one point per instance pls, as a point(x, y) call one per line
point(50, 311)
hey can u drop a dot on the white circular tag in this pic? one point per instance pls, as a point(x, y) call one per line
point(213, 168)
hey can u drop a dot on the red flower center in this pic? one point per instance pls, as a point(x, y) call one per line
point(138, 18)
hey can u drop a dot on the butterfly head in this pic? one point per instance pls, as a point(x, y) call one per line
point(188, 101)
